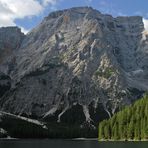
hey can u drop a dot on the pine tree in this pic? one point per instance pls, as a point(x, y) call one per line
point(130, 123)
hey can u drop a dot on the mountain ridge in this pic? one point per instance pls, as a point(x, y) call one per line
point(76, 57)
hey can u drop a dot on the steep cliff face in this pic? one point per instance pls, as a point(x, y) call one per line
point(10, 41)
point(5, 84)
point(77, 57)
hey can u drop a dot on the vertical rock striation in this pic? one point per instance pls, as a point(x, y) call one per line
point(75, 58)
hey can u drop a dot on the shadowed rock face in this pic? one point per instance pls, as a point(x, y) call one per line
point(75, 57)
point(10, 41)
point(5, 84)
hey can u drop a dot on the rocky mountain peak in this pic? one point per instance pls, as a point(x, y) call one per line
point(10, 41)
point(82, 10)
point(76, 58)
point(10, 37)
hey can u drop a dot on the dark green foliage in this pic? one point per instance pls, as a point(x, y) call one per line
point(106, 74)
point(3, 133)
point(97, 114)
point(4, 89)
point(74, 116)
point(68, 128)
point(5, 85)
point(22, 129)
point(129, 124)
point(62, 130)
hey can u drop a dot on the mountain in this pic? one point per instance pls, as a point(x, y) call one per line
point(129, 124)
point(77, 67)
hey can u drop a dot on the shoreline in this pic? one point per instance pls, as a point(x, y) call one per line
point(123, 140)
point(84, 139)
point(77, 139)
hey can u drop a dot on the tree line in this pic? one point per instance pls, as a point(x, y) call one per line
point(129, 124)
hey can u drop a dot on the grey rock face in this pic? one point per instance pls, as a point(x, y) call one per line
point(10, 37)
point(10, 41)
point(77, 56)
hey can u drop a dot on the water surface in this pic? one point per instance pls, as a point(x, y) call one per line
point(69, 144)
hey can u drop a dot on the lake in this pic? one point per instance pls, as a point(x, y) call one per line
point(69, 144)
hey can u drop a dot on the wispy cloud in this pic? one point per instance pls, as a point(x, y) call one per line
point(108, 7)
point(10, 10)
point(145, 21)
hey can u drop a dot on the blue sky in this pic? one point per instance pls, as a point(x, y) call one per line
point(28, 13)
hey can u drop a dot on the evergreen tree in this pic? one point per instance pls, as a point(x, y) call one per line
point(130, 123)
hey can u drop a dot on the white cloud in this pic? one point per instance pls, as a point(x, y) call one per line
point(10, 10)
point(145, 21)
point(25, 31)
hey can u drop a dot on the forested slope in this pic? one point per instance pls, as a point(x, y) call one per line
point(129, 124)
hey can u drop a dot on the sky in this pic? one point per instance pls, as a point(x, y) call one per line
point(28, 13)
